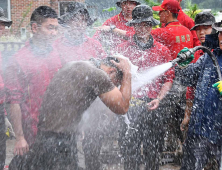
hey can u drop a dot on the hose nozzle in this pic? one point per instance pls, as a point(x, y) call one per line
point(183, 56)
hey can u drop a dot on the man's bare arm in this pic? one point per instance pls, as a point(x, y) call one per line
point(164, 90)
point(118, 99)
point(21, 146)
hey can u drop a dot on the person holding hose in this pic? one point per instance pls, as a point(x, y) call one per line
point(203, 27)
point(204, 137)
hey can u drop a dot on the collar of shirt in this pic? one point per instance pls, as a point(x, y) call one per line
point(173, 24)
point(141, 45)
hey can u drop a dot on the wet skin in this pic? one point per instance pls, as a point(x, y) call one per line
point(127, 8)
point(47, 31)
point(202, 31)
point(163, 16)
point(142, 30)
point(220, 39)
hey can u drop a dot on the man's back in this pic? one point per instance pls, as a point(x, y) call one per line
point(174, 36)
point(70, 93)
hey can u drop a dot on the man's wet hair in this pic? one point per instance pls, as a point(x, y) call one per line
point(108, 62)
point(42, 13)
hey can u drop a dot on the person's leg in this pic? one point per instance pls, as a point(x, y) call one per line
point(195, 154)
point(153, 138)
point(92, 144)
point(130, 138)
point(2, 137)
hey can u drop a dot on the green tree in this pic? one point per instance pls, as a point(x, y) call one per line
point(192, 9)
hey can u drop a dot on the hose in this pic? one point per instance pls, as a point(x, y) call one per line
point(186, 55)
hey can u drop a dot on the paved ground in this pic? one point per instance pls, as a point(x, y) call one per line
point(9, 156)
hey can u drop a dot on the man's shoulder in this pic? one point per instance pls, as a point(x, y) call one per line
point(23, 52)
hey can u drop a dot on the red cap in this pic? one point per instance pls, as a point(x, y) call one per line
point(168, 5)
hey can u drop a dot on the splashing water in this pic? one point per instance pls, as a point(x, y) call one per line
point(147, 76)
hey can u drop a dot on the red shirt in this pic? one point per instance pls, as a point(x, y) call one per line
point(186, 21)
point(119, 22)
point(90, 48)
point(2, 93)
point(26, 80)
point(174, 36)
point(156, 55)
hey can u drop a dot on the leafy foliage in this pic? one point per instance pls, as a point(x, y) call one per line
point(153, 3)
point(109, 9)
point(192, 9)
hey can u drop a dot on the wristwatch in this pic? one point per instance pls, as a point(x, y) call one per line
point(112, 27)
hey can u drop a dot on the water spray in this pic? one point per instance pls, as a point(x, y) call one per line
point(186, 55)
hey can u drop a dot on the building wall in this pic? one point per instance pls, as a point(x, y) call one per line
point(21, 11)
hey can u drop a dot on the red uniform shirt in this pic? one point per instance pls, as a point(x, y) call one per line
point(174, 36)
point(156, 55)
point(90, 48)
point(2, 93)
point(26, 80)
point(186, 21)
point(119, 22)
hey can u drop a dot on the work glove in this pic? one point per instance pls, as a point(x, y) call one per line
point(218, 85)
point(186, 62)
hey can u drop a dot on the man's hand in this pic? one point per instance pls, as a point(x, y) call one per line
point(184, 124)
point(153, 104)
point(21, 146)
point(218, 85)
point(123, 65)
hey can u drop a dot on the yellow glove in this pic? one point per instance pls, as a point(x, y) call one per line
point(218, 85)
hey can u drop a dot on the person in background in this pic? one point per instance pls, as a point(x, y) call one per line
point(204, 137)
point(114, 30)
point(74, 45)
point(27, 76)
point(4, 22)
point(147, 110)
point(188, 22)
point(203, 27)
point(174, 35)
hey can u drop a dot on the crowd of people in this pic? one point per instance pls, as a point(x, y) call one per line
point(49, 83)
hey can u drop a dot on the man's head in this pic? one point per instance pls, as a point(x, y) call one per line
point(203, 25)
point(76, 19)
point(142, 20)
point(107, 65)
point(4, 21)
point(127, 6)
point(44, 24)
point(168, 10)
point(218, 27)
